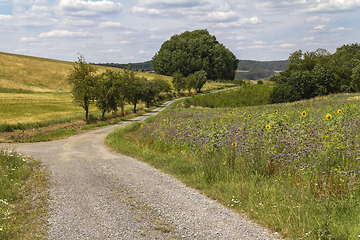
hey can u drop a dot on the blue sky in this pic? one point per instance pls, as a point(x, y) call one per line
point(133, 31)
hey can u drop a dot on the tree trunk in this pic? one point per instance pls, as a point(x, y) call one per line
point(135, 107)
point(103, 115)
point(122, 111)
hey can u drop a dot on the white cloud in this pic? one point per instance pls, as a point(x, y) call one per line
point(334, 6)
point(242, 22)
point(77, 23)
point(342, 29)
point(5, 17)
point(29, 40)
point(260, 42)
point(287, 45)
point(240, 38)
point(80, 8)
point(318, 19)
point(307, 39)
point(320, 27)
point(217, 16)
point(110, 25)
point(166, 4)
point(64, 33)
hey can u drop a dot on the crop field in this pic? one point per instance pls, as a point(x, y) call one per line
point(41, 74)
point(25, 108)
point(292, 167)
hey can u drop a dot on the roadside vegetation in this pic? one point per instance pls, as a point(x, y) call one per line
point(23, 197)
point(246, 95)
point(293, 167)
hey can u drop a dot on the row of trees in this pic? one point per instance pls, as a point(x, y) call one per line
point(111, 90)
point(193, 81)
point(318, 73)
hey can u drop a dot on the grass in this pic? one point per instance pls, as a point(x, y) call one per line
point(26, 73)
point(247, 95)
point(287, 166)
point(23, 197)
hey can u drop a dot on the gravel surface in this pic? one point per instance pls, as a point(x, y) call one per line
point(99, 194)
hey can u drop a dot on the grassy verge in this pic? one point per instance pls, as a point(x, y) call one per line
point(292, 167)
point(23, 197)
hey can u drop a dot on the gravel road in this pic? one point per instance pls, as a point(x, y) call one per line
point(99, 194)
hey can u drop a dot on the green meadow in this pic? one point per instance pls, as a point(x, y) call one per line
point(292, 167)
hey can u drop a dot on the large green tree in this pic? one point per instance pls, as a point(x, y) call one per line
point(84, 84)
point(194, 51)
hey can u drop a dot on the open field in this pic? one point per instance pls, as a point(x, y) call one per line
point(292, 167)
point(41, 74)
point(25, 108)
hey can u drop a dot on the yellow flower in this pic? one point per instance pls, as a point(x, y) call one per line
point(142, 126)
point(249, 116)
point(276, 111)
point(308, 109)
point(177, 125)
point(339, 111)
point(303, 114)
point(234, 144)
point(328, 117)
point(155, 122)
point(267, 127)
point(164, 120)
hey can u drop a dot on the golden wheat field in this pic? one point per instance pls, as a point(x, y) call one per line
point(34, 89)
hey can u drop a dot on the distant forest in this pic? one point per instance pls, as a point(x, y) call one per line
point(142, 66)
point(247, 69)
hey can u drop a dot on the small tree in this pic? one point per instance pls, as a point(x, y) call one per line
point(165, 86)
point(132, 87)
point(190, 82)
point(84, 84)
point(150, 90)
point(110, 92)
point(199, 80)
point(178, 81)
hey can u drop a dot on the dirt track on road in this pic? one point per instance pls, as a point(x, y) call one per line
point(99, 194)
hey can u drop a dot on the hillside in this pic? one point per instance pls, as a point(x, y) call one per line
point(243, 65)
point(26, 73)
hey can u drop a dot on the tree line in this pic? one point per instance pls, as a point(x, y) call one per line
point(318, 73)
point(111, 90)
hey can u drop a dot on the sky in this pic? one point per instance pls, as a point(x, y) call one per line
point(122, 31)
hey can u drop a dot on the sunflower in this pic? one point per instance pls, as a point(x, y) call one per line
point(276, 111)
point(267, 127)
point(339, 111)
point(328, 116)
point(303, 114)
point(249, 116)
point(234, 144)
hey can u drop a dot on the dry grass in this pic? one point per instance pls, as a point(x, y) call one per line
point(27, 108)
point(41, 74)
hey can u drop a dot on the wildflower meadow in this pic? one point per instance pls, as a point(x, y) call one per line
point(293, 167)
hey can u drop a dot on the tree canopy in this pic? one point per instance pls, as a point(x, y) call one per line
point(318, 73)
point(194, 51)
point(84, 84)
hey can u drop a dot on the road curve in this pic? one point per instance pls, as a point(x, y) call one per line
point(99, 194)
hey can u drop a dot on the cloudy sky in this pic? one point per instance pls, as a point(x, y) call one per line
point(133, 31)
